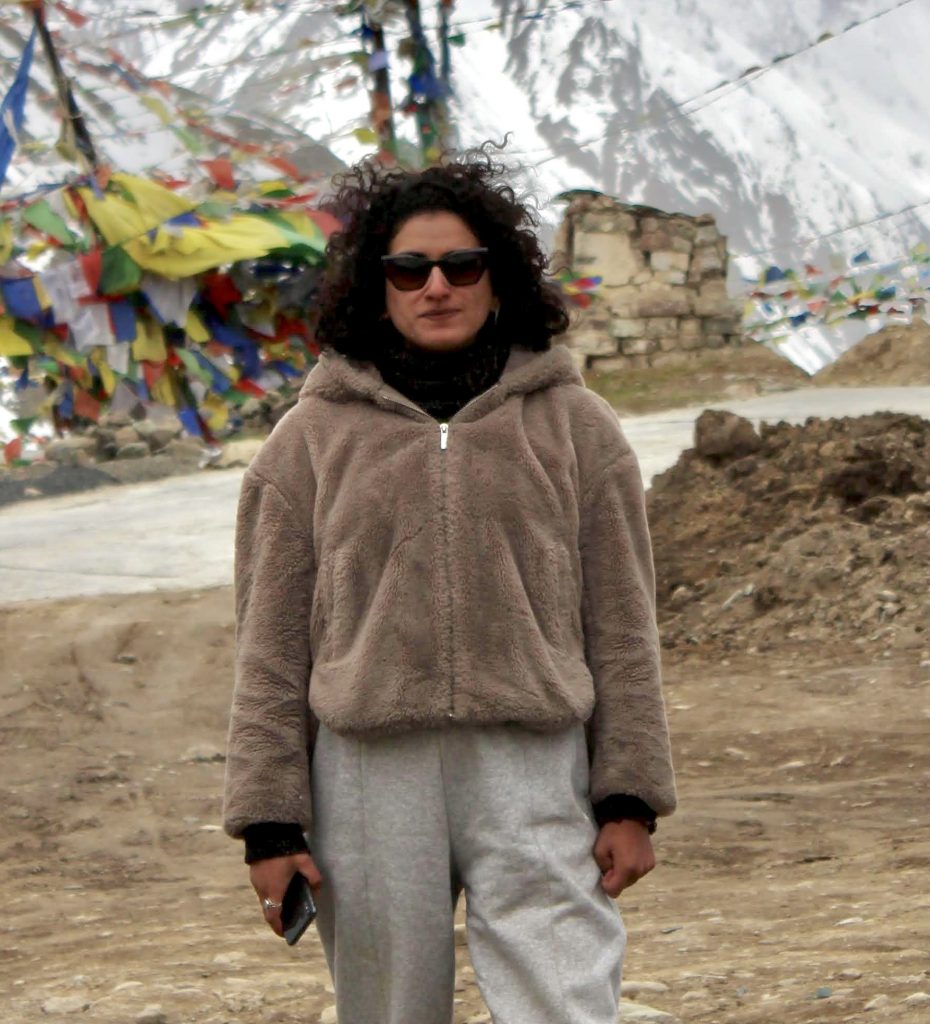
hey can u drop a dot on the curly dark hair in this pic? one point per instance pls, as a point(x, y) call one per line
point(373, 201)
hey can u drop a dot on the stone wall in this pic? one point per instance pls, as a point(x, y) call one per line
point(664, 296)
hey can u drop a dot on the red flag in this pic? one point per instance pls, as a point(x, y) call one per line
point(152, 372)
point(85, 405)
point(284, 165)
point(221, 171)
point(326, 222)
point(75, 17)
point(13, 450)
point(91, 265)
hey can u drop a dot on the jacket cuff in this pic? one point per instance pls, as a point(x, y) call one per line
point(272, 839)
point(620, 807)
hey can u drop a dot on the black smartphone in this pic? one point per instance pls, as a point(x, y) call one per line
point(297, 908)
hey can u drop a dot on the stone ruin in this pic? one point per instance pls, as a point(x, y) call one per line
point(664, 296)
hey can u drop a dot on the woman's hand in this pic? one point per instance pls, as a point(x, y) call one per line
point(270, 879)
point(623, 852)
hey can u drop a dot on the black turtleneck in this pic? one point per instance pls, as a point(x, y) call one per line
point(441, 383)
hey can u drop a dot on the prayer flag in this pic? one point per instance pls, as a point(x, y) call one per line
point(13, 108)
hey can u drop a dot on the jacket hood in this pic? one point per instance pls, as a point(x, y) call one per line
point(339, 379)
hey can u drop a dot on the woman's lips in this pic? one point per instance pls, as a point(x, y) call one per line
point(439, 314)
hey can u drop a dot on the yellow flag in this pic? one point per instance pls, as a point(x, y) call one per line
point(42, 295)
point(150, 342)
point(195, 327)
point(99, 358)
point(215, 411)
point(143, 206)
point(163, 391)
point(6, 240)
point(193, 250)
point(11, 343)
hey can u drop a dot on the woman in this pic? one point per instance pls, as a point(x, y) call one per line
point(444, 579)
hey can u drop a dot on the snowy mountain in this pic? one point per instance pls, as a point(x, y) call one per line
point(615, 96)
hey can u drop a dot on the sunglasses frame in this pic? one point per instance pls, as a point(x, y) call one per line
point(425, 266)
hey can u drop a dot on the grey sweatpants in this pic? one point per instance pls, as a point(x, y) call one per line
point(403, 823)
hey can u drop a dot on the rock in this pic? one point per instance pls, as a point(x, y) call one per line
point(65, 1004)
point(850, 974)
point(328, 1016)
point(633, 989)
point(184, 450)
point(695, 995)
point(724, 435)
point(152, 1015)
point(746, 591)
point(824, 992)
point(917, 999)
point(639, 346)
point(114, 420)
point(666, 261)
point(157, 435)
point(848, 921)
point(125, 435)
point(680, 597)
point(639, 1013)
point(135, 450)
point(626, 327)
point(204, 753)
point(238, 453)
point(74, 450)
point(233, 959)
point(461, 936)
point(877, 1003)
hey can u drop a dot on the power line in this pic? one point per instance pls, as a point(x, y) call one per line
point(746, 77)
point(832, 234)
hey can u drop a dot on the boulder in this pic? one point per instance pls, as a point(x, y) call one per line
point(720, 435)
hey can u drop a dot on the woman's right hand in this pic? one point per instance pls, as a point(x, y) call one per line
point(270, 879)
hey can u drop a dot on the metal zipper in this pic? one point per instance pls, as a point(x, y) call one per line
point(443, 436)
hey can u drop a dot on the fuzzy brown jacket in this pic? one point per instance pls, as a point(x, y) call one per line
point(396, 573)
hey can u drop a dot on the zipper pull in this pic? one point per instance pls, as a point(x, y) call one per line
point(443, 436)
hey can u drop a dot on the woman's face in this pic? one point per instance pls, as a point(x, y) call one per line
point(438, 316)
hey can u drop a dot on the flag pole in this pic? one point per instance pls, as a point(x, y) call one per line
point(74, 120)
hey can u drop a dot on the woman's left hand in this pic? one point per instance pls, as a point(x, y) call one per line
point(623, 851)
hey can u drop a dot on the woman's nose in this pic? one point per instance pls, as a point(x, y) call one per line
point(436, 283)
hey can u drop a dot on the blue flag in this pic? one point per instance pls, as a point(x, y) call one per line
point(13, 109)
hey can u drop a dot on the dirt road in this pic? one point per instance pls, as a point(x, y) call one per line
point(792, 887)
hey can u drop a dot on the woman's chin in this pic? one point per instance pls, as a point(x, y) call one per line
point(440, 342)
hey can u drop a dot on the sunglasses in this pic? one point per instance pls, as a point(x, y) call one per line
point(408, 272)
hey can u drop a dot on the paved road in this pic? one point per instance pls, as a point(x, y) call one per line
point(177, 533)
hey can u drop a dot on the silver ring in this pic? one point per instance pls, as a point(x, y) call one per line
point(270, 904)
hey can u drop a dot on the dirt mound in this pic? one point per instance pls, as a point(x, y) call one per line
point(818, 532)
point(895, 355)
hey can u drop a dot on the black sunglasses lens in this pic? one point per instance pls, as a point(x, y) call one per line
point(407, 273)
point(462, 268)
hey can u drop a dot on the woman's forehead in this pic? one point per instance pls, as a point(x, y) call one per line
point(433, 233)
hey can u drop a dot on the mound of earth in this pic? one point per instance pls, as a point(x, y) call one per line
point(814, 533)
point(897, 355)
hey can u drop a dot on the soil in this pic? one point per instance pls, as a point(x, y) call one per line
point(897, 355)
point(791, 887)
point(792, 884)
point(817, 533)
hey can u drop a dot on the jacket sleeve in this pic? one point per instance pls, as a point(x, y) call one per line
point(627, 732)
point(267, 761)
